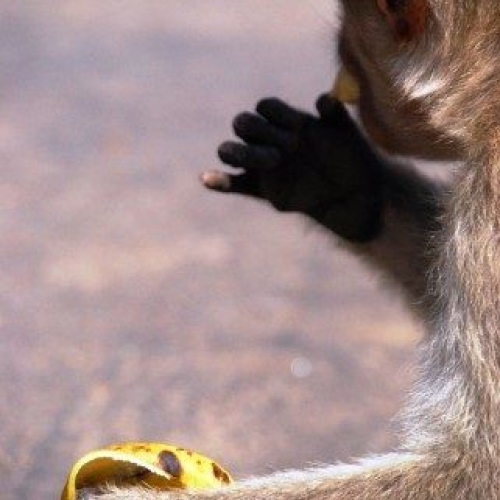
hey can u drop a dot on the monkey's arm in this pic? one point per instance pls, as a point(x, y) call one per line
point(404, 249)
point(325, 168)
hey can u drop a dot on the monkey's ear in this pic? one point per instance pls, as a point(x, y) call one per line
point(407, 18)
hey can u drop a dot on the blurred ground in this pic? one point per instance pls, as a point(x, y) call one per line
point(134, 305)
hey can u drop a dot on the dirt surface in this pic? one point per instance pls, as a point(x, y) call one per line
point(135, 305)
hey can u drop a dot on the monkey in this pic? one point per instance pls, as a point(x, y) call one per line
point(429, 80)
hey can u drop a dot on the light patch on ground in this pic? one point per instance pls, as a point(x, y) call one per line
point(94, 268)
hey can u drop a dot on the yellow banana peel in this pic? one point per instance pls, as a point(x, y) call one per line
point(346, 87)
point(153, 465)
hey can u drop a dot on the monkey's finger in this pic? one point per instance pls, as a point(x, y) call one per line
point(281, 114)
point(331, 110)
point(216, 180)
point(256, 130)
point(249, 157)
point(223, 182)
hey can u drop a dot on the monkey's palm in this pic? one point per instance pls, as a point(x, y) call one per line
point(322, 167)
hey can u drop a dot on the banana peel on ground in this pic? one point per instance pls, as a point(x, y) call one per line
point(152, 465)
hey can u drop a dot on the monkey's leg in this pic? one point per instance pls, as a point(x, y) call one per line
point(324, 168)
point(390, 477)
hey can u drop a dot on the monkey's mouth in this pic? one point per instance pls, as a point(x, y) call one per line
point(346, 88)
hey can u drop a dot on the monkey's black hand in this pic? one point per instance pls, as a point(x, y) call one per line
point(320, 166)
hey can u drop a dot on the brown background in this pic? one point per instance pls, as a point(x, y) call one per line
point(135, 305)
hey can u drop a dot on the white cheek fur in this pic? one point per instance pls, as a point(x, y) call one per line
point(424, 89)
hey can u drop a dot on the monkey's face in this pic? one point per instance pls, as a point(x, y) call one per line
point(379, 44)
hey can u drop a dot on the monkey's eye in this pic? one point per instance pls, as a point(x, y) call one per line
point(407, 18)
point(390, 6)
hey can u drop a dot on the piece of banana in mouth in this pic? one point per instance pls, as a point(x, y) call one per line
point(346, 88)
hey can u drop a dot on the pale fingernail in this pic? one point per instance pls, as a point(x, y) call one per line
point(214, 179)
